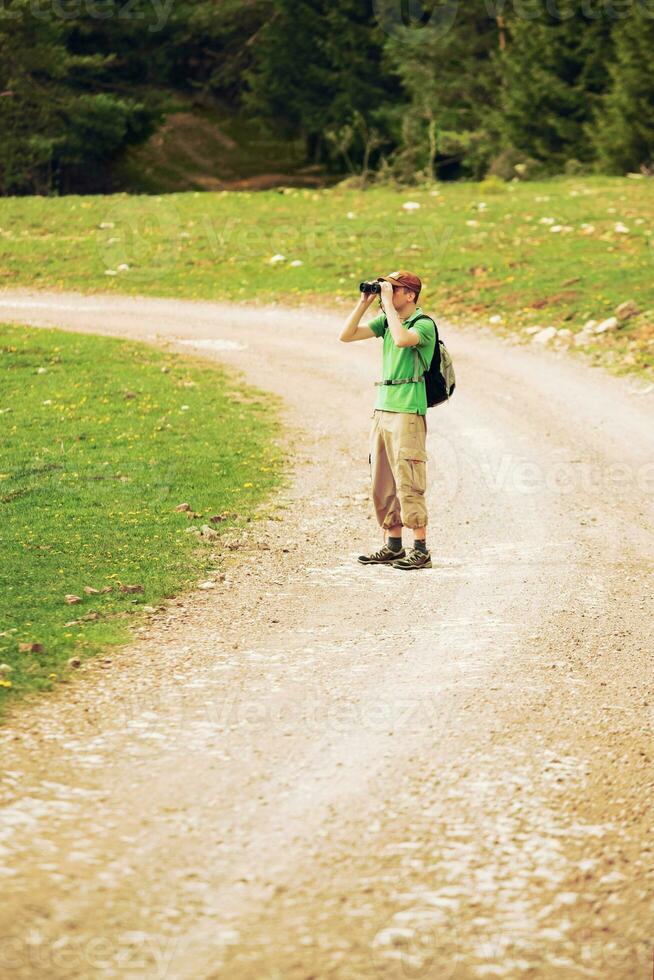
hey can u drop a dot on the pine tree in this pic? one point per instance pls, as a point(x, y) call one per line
point(33, 56)
point(318, 71)
point(554, 70)
point(291, 83)
point(213, 44)
point(58, 113)
point(354, 46)
point(623, 129)
point(449, 72)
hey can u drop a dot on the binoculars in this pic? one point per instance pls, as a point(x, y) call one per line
point(370, 287)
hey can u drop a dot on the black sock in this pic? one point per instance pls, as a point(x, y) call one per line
point(420, 545)
point(395, 544)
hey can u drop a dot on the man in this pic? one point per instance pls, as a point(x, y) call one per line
point(398, 459)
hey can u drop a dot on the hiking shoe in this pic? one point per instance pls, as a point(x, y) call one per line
point(414, 559)
point(383, 557)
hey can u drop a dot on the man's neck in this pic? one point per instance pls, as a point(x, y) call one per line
point(406, 314)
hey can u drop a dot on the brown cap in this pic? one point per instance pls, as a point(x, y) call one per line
point(403, 278)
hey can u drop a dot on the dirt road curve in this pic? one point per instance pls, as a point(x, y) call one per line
point(318, 769)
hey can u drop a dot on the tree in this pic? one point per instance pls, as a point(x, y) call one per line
point(33, 58)
point(449, 71)
point(215, 44)
point(53, 119)
point(291, 83)
point(622, 131)
point(554, 71)
point(319, 70)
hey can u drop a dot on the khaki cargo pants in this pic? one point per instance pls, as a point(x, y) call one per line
point(398, 468)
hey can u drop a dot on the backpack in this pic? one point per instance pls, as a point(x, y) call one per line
point(440, 380)
point(439, 377)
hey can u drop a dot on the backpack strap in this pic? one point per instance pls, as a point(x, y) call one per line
point(417, 358)
point(418, 355)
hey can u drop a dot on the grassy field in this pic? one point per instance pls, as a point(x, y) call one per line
point(102, 439)
point(535, 254)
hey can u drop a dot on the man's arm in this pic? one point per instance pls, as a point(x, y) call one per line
point(401, 336)
point(352, 331)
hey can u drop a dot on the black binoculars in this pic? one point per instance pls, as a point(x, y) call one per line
point(370, 287)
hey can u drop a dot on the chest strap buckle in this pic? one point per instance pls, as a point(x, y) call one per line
point(400, 381)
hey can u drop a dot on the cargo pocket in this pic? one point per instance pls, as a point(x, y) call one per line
point(412, 464)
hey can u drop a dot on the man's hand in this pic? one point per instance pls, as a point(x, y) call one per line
point(398, 332)
point(386, 296)
point(352, 330)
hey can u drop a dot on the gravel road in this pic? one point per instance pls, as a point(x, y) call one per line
point(318, 769)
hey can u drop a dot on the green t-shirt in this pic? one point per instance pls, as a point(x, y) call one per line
point(399, 362)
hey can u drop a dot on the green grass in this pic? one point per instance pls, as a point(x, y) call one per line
point(218, 246)
point(101, 440)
